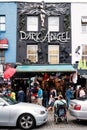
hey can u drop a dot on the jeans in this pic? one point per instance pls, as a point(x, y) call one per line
point(68, 102)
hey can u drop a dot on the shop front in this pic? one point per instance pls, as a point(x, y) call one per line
point(49, 76)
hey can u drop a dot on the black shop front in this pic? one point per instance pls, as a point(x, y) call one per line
point(49, 76)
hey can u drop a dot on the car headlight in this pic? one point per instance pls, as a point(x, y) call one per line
point(40, 111)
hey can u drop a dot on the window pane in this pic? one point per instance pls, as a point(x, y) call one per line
point(32, 52)
point(84, 49)
point(2, 23)
point(32, 58)
point(84, 19)
point(84, 52)
point(2, 27)
point(53, 54)
point(53, 24)
point(84, 28)
point(2, 19)
point(32, 23)
point(53, 60)
point(84, 23)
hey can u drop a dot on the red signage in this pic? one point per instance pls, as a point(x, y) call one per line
point(3, 43)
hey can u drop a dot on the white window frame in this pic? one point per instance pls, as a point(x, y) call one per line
point(2, 23)
point(33, 48)
point(32, 23)
point(53, 24)
point(84, 24)
point(54, 48)
point(84, 56)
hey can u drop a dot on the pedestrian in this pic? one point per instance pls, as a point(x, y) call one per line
point(1, 91)
point(4, 90)
point(53, 92)
point(81, 92)
point(21, 95)
point(60, 106)
point(68, 95)
point(51, 103)
point(28, 95)
point(39, 95)
point(13, 94)
point(59, 101)
point(45, 97)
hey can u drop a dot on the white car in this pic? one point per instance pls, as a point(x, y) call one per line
point(78, 108)
point(23, 115)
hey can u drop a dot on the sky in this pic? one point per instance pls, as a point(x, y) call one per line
point(45, 0)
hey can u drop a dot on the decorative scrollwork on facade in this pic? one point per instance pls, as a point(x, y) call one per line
point(43, 9)
point(47, 9)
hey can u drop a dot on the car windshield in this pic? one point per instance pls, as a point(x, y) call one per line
point(9, 100)
point(83, 98)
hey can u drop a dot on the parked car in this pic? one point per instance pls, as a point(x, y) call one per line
point(24, 115)
point(78, 108)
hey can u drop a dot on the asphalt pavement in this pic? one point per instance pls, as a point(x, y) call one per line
point(72, 124)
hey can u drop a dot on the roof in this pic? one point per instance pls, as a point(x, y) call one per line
point(44, 1)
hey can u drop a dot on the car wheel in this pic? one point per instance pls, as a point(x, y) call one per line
point(26, 121)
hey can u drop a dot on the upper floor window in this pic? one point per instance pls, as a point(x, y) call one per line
point(84, 52)
point(32, 23)
point(2, 23)
point(53, 54)
point(84, 24)
point(53, 24)
point(32, 54)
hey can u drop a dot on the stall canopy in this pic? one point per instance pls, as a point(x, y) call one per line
point(45, 68)
point(8, 73)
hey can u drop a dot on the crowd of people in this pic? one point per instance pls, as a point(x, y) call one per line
point(42, 95)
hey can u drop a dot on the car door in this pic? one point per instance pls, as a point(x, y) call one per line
point(4, 113)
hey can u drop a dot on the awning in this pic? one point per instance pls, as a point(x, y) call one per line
point(45, 68)
point(8, 73)
point(3, 43)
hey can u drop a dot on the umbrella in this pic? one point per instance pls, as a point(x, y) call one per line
point(8, 73)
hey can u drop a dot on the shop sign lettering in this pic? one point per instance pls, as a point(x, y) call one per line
point(38, 37)
point(82, 64)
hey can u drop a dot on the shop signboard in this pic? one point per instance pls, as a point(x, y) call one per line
point(3, 43)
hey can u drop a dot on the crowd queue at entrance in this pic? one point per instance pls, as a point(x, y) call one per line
point(44, 90)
